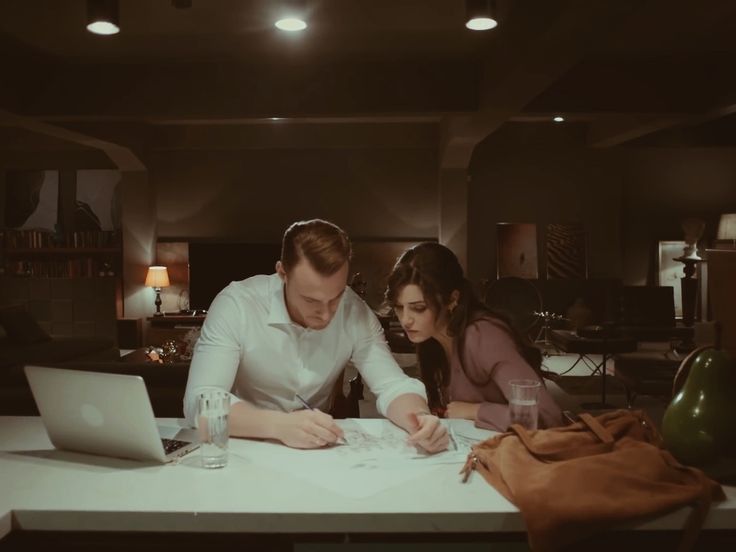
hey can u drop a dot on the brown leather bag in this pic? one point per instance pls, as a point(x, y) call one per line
point(574, 481)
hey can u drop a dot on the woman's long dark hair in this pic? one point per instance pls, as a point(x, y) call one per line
point(437, 272)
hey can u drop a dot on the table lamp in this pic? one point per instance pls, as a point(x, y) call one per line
point(727, 228)
point(157, 278)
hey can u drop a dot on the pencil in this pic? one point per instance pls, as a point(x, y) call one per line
point(309, 407)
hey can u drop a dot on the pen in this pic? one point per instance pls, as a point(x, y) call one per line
point(309, 407)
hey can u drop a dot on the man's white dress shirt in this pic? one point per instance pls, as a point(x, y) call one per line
point(250, 347)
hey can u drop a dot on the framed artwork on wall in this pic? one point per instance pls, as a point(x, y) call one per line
point(97, 206)
point(566, 251)
point(670, 271)
point(517, 250)
point(31, 200)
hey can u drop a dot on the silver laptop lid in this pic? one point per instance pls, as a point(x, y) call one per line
point(105, 414)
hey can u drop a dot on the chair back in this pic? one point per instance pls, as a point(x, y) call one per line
point(652, 306)
point(517, 298)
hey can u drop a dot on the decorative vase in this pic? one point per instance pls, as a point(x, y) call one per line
point(699, 425)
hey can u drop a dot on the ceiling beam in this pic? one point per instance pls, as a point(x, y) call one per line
point(236, 91)
point(614, 130)
point(123, 157)
point(264, 134)
point(546, 45)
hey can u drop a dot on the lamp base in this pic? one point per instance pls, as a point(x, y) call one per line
point(158, 302)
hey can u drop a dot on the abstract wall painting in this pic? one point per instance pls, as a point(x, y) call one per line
point(566, 251)
point(31, 200)
point(97, 206)
point(517, 250)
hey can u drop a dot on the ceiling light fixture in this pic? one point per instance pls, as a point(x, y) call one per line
point(291, 24)
point(479, 15)
point(558, 119)
point(292, 17)
point(102, 17)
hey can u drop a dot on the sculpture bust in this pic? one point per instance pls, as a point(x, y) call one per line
point(693, 229)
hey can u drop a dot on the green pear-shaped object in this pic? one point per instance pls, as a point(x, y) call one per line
point(700, 422)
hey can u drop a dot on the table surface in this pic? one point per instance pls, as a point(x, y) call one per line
point(174, 319)
point(46, 489)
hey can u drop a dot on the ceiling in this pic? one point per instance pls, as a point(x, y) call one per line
point(378, 73)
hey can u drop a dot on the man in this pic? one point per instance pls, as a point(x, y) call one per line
point(267, 339)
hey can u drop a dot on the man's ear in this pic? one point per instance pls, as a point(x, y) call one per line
point(280, 270)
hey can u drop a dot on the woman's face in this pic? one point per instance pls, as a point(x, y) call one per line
point(418, 319)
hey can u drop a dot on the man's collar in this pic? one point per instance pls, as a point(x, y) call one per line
point(277, 313)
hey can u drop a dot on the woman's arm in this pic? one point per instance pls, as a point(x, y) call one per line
point(492, 360)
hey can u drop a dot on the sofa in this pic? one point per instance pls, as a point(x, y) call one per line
point(23, 342)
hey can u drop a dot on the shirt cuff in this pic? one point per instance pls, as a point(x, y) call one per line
point(405, 387)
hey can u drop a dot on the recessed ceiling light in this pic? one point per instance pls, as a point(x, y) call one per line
point(103, 28)
point(479, 15)
point(481, 23)
point(291, 24)
point(558, 119)
point(102, 17)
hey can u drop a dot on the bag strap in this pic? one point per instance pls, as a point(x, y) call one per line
point(594, 425)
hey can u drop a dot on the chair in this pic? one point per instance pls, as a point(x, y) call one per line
point(648, 315)
point(518, 298)
point(342, 406)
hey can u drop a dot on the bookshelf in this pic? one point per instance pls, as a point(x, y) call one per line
point(36, 253)
point(43, 254)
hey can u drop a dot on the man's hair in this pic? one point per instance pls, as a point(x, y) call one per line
point(324, 245)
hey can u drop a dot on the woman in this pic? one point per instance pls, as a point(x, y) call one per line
point(467, 353)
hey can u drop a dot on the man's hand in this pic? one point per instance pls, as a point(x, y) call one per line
point(307, 429)
point(463, 410)
point(429, 433)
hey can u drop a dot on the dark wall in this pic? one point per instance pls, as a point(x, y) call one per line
point(662, 187)
point(252, 195)
point(626, 198)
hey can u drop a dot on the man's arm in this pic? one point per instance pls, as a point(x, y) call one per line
point(215, 365)
point(298, 429)
point(400, 398)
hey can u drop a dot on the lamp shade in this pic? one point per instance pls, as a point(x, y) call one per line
point(157, 277)
point(727, 227)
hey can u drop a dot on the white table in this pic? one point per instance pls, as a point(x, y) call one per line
point(45, 489)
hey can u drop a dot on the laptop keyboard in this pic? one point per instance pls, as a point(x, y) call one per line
point(170, 445)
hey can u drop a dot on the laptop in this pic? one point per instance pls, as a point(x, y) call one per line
point(103, 414)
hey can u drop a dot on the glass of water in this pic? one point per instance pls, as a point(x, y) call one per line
point(523, 408)
point(213, 426)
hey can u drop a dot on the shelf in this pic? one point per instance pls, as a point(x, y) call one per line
point(16, 251)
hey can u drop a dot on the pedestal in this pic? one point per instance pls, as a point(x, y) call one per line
point(689, 287)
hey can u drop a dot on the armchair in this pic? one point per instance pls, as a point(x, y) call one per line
point(648, 315)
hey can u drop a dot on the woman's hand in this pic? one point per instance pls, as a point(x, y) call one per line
point(429, 433)
point(462, 410)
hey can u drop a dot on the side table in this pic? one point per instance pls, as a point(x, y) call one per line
point(607, 346)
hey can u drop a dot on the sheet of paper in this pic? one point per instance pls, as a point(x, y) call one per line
point(359, 468)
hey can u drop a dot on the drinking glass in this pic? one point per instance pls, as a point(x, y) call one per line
point(523, 408)
point(214, 431)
